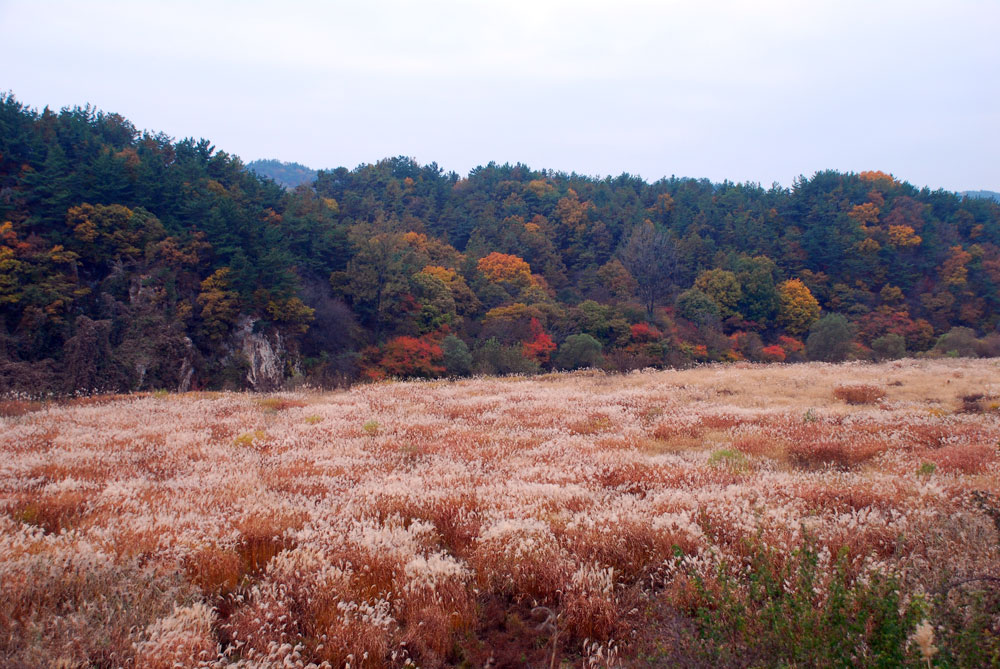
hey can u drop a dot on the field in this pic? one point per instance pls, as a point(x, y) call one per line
point(810, 515)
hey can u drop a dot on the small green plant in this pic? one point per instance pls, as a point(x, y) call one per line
point(371, 428)
point(809, 417)
point(275, 404)
point(313, 419)
point(926, 469)
point(161, 394)
point(728, 458)
point(773, 613)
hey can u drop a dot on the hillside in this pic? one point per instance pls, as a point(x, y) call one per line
point(287, 174)
point(131, 261)
point(985, 194)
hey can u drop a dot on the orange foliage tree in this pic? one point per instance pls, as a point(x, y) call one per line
point(505, 268)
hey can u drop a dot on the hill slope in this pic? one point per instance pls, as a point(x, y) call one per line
point(287, 174)
point(129, 260)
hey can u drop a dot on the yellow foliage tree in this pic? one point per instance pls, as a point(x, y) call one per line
point(797, 308)
point(954, 271)
point(219, 305)
point(864, 214)
point(903, 236)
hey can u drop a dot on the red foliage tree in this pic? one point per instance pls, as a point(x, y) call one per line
point(539, 345)
point(407, 357)
point(644, 333)
point(773, 353)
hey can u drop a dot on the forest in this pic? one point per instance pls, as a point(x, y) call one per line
point(130, 261)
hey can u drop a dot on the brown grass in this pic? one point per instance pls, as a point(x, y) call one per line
point(859, 393)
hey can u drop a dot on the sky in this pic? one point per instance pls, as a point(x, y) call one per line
point(752, 91)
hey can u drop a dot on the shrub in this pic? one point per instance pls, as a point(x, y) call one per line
point(579, 350)
point(859, 393)
point(988, 346)
point(975, 402)
point(645, 333)
point(409, 356)
point(773, 354)
point(697, 307)
point(829, 339)
point(493, 359)
point(457, 359)
point(750, 346)
point(794, 348)
point(774, 615)
point(889, 347)
point(959, 342)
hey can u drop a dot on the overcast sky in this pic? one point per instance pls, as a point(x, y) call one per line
point(760, 90)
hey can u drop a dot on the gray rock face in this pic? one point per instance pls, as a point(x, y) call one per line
point(265, 352)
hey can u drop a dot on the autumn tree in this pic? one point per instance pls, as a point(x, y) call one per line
point(797, 308)
point(219, 305)
point(410, 356)
point(505, 268)
point(510, 323)
point(617, 280)
point(538, 345)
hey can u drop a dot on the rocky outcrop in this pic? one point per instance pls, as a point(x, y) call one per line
point(265, 353)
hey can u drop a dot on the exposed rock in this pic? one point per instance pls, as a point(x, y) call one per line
point(187, 367)
point(266, 354)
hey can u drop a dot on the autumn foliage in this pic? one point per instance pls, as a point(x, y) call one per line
point(502, 267)
point(407, 356)
point(133, 262)
point(539, 345)
point(798, 308)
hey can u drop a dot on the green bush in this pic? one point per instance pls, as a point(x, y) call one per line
point(829, 339)
point(960, 342)
point(494, 359)
point(579, 350)
point(697, 307)
point(457, 359)
point(783, 612)
point(889, 347)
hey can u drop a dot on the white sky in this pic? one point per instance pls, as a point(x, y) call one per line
point(758, 90)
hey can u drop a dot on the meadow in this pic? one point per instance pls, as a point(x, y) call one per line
point(739, 515)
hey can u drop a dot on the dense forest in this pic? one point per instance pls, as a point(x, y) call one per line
point(130, 261)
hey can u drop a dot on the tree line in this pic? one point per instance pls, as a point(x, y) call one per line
point(131, 261)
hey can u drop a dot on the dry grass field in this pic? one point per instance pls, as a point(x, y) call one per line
point(804, 515)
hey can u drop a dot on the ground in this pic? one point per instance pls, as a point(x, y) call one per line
point(711, 516)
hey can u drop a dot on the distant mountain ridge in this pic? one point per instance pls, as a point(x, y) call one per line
point(288, 174)
point(982, 194)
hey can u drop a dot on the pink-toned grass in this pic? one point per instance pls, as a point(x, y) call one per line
point(424, 521)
